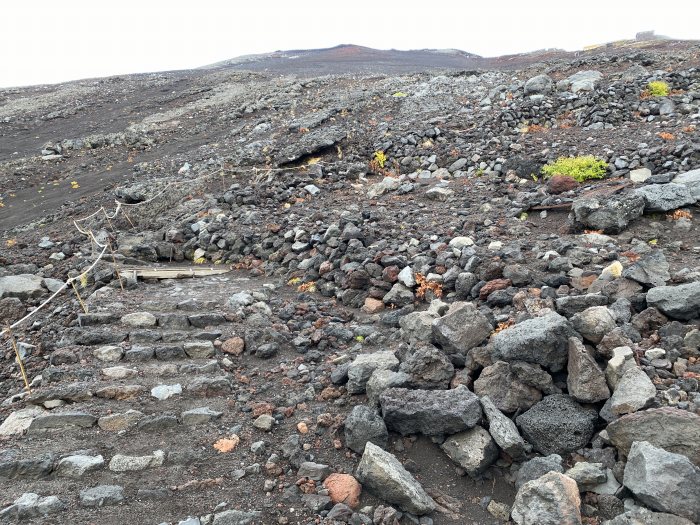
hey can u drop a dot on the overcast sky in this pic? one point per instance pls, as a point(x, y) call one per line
point(45, 41)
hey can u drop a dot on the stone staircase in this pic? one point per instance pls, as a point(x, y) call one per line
point(121, 427)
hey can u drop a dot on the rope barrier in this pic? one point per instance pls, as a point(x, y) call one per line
point(119, 207)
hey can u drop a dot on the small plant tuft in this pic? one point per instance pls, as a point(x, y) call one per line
point(380, 158)
point(580, 168)
point(658, 88)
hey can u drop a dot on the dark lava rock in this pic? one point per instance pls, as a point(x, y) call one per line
point(430, 412)
point(557, 425)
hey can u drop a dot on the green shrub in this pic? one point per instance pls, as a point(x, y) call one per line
point(579, 168)
point(658, 88)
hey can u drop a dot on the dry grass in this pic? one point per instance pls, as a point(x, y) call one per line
point(679, 214)
point(424, 286)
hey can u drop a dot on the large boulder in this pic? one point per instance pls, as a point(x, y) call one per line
point(586, 381)
point(542, 340)
point(430, 412)
point(663, 480)
point(679, 302)
point(558, 424)
point(381, 473)
point(665, 197)
point(474, 450)
point(364, 425)
point(463, 327)
point(674, 430)
point(581, 81)
point(541, 84)
point(24, 286)
point(552, 499)
point(500, 383)
point(611, 215)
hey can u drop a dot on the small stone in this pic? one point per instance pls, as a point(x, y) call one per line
point(102, 495)
point(199, 416)
point(121, 463)
point(474, 450)
point(343, 488)
point(234, 346)
point(139, 320)
point(364, 425)
point(264, 422)
point(372, 306)
point(381, 473)
point(163, 392)
point(79, 465)
point(552, 499)
point(108, 354)
point(633, 392)
point(315, 471)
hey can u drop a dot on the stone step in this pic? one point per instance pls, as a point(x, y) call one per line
point(113, 336)
point(165, 320)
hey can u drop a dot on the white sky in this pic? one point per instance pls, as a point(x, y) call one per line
point(44, 41)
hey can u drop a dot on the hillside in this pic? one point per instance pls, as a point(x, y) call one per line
point(348, 286)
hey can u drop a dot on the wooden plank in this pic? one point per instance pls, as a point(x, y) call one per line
point(174, 273)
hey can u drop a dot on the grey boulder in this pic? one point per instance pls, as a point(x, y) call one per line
point(541, 84)
point(24, 286)
point(31, 505)
point(430, 412)
point(503, 386)
point(612, 215)
point(586, 380)
point(675, 430)
point(663, 480)
point(537, 467)
point(552, 499)
point(691, 180)
point(361, 369)
point(503, 430)
point(381, 473)
point(594, 323)
point(665, 197)
point(474, 450)
point(633, 392)
point(679, 302)
point(364, 425)
point(651, 270)
point(542, 340)
point(463, 327)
